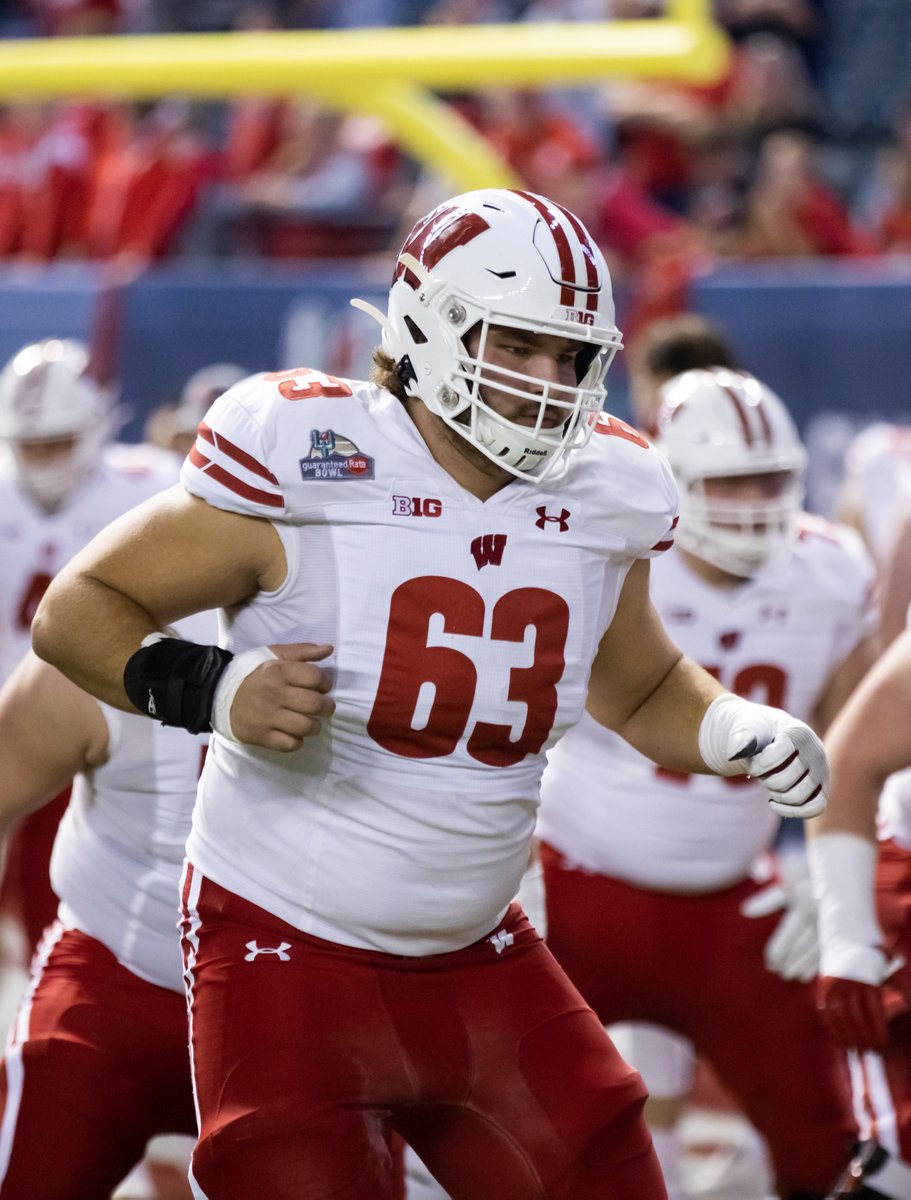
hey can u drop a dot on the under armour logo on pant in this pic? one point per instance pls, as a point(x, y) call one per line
point(500, 940)
point(279, 950)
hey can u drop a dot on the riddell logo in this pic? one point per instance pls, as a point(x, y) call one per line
point(416, 506)
point(487, 550)
point(543, 517)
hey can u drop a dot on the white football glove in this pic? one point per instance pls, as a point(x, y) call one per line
point(793, 949)
point(737, 737)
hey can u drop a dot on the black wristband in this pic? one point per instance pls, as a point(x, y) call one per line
point(175, 681)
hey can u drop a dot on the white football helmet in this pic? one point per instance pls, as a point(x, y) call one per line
point(511, 259)
point(46, 396)
point(718, 423)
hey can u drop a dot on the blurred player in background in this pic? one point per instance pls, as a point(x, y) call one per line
point(656, 906)
point(96, 1061)
point(668, 347)
point(174, 426)
point(62, 479)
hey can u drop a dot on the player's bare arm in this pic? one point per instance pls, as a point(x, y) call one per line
point(50, 730)
point(644, 688)
point(868, 741)
point(843, 680)
point(174, 556)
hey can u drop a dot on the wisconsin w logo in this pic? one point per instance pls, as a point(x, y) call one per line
point(488, 549)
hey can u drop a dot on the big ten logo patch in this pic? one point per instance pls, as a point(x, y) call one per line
point(416, 506)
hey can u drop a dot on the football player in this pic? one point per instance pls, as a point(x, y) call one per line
point(656, 905)
point(96, 1060)
point(62, 479)
point(421, 578)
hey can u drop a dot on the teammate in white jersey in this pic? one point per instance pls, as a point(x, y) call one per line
point(865, 935)
point(435, 561)
point(96, 1062)
point(654, 908)
point(62, 480)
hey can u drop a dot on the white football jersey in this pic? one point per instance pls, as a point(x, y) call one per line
point(775, 640)
point(119, 850)
point(464, 633)
point(34, 544)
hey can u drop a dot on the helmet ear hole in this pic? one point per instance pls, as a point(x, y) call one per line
point(417, 334)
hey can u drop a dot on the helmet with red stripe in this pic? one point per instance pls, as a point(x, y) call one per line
point(54, 418)
point(739, 464)
point(514, 260)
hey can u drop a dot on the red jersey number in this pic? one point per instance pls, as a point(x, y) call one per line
point(37, 585)
point(302, 383)
point(614, 427)
point(442, 679)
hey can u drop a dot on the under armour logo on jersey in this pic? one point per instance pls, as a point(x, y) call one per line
point(280, 951)
point(500, 940)
point(488, 549)
point(544, 517)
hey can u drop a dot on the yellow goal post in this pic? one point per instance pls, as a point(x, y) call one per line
point(392, 73)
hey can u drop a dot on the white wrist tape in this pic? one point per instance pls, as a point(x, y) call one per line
point(237, 670)
point(842, 867)
point(159, 636)
point(727, 725)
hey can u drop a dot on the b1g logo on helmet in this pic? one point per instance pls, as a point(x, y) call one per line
point(580, 318)
point(439, 233)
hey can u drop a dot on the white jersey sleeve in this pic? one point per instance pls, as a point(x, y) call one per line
point(643, 485)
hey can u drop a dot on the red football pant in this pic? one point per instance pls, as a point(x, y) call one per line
point(695, 964)
point(97, 1063)
point(307, 1055)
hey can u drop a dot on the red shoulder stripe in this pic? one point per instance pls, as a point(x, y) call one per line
point(232, 483)
point(240, 456)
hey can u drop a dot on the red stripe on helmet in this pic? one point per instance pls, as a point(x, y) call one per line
point(564, 250)
point(435, 236)
point(589, 253)
point(740, 409)
point(764, 420)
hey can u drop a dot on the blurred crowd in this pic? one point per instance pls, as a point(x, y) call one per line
point(795, 153)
